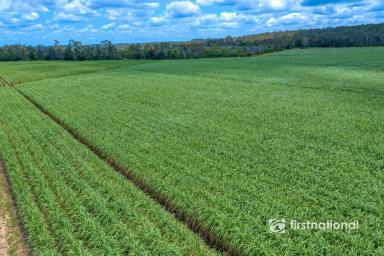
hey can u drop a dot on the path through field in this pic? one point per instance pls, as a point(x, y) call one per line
point(181, 215)
point(212, 149)
point(11, 237)
point(3, 235)
point(72, 201)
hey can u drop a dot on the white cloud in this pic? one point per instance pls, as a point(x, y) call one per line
point(238, 17)
point(230, 20)
point(124, 27)
point(86, 29)
point(44, 9)
point(183, 19)
point(119, 14)
point(377, 5)
point(220, 2)
point(5, 4)
point(73, 11)
point(276, 4)
point(30, 16)
point(64, 28)
point(207, 19)
point(112, 14)
point(158, 20)
point(133, 5)
point(265, 6)
point(35, 27)
point(149, 6)
point(230, 25)
point(229, 16)
point(225, 20)
point(292, 18)
point(14, 20)
point(77, 7)
point(109, 26)
point(109, 3)
point(180, 9)
point(67, 17)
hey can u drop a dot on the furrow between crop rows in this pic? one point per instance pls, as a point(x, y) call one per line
point(72, 202)
point(4, 82)
point(211, 239)
point(53, 200)
point(12, 241)
point(234, 153)
point(33, 216)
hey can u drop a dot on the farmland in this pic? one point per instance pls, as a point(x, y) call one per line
point(91, 211)
point(229, 143)
point(41, 70)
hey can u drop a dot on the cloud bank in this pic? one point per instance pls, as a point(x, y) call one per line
point(42, 21)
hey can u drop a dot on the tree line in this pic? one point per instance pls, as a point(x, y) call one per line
point(347, 36)
point(75, 50)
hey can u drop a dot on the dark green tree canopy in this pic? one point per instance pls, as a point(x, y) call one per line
point(353, 36)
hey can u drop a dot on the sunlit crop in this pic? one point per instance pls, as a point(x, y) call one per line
point(294, 135)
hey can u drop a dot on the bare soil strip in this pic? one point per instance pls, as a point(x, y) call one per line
point(12, 241)
point(5, 82)
point(194, 225)
point(3, 235)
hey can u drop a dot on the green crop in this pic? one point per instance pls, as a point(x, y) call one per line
point(294, 135)
point(25, 71)
point(72, 203)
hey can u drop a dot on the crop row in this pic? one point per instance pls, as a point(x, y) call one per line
point(4, 82)
point(234, 154)
point(72, 203)
point(22, 72)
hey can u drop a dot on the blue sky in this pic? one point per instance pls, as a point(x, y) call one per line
point(90, 21)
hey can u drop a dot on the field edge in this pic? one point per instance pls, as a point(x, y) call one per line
point(194, 225)
point(14, 240)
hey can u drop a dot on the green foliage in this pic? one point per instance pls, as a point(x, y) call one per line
point(237, 141)
point(75, 50)
point(21, 72)
point(357, 36)
point(72, 203)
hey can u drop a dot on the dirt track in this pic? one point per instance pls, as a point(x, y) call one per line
point(11, 237)
point(3, 236)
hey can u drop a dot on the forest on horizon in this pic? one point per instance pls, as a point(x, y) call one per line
point(346, 36)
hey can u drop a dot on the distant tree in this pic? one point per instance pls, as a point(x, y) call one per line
point(362, 35)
